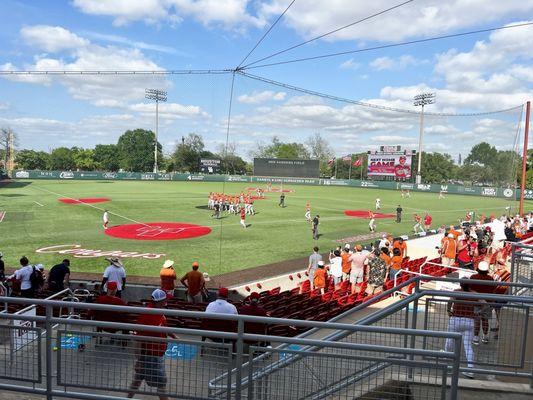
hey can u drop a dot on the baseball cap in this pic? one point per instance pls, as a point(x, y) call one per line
point(321, 263)
point(112, 285)
point(159, 295)
point(450, 235)
point(254, 296)
point(168, 264)
point(223, 292)
point(40, 267)
point(347, 246)
point(195, 264)
point(483, 266)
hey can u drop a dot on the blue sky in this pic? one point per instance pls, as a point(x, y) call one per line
point(477, 73)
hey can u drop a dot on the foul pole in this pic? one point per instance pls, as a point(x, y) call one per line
point(524, 159)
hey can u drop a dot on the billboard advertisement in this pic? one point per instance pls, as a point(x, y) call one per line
point(209, 166)
point(284, 167)
point(395, 165)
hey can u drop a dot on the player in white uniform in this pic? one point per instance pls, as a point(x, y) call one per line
point(308, 212)
point(378, 204)
point(105, 219)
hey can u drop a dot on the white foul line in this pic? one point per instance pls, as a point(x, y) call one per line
point(39, 204)
point(2, 215)
point(90, 205)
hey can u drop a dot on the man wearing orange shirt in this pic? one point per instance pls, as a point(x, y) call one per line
point(168, 277)
point(346, 264)
point(449, 250)
point(396, 262)
point(194, 282)
point(401, 245)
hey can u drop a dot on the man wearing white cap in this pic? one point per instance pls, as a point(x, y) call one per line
point(484, 311)
point(168, 277)
point(150, 362)
point(115, 272)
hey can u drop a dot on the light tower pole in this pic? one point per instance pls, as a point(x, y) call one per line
point(422, 100)
point(157, 95)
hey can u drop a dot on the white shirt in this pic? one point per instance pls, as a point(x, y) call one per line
point(106, 217)
point(115, 274)
point(359, 260)
point(221, 306)
point(498, 227)
point(335, 267)
point(384, 243)
point(23, 275)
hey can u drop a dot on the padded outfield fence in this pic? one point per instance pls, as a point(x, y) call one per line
point(405, 348)
point(484, 191)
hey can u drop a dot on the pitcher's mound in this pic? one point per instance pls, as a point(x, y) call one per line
point(87, 200)
point(157, 231)
point(364, 214)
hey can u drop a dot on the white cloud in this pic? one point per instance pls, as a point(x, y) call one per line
point(230, 14)
point(170, 111)
point(390, 138)
point(418, 19)
point(136, 44)
point(350, 64)
point(4, 105)
point(261, 97)
point(100, 90)
point(52, 39)
point(388, 63)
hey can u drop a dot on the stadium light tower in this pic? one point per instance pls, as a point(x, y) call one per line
point(157, 95)
point(422, 100)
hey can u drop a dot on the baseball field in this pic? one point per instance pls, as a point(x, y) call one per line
point(153, 221)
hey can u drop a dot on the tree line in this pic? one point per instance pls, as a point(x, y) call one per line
point(134, 151)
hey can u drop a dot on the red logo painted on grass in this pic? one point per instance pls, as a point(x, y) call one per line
point(364, 214)
point(87, 200)
point(158, 231)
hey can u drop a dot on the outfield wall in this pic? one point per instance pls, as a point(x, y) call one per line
point(390, 185)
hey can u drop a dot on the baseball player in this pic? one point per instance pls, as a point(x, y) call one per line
point(105, 218)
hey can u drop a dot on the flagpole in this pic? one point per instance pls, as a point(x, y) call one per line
point(350, 170)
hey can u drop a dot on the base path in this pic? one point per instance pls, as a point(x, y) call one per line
point(364, 214)
point(88, 200)
point(157, 231)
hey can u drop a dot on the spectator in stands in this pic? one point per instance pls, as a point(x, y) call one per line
point(461, 313)
point(150, 363)
point(115, 272)
point(377, 272)
point(320, 277)
point(357, 272)
point(2, 267)
point(221, 305)
point(464, 252)
point(253, 307)
point(313, 265)
point(385, 255)
point(167, 275)
point(335, 267)
point(346, 263)
point(448, 250)
point(59, 276)
point(39, 278)
point(109, 298)
point(23, 275)
point(384, 242)
point(402, 245)
point(396, 262)
point(483, 311)
point(194, 282)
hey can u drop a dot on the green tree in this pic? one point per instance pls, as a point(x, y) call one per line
point(231, 162)
point(437, 167)
point(278, 149)
point(106, 157)
point(186, 155)
point(320, 149)
point(31, 159)
point(84, 159)
point(61, 158)
point(482, 153)
point(136, 150)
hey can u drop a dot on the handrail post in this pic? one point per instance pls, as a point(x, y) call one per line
point(414, 323)
point(457, 348)
point(48, 351)
point(239, 358)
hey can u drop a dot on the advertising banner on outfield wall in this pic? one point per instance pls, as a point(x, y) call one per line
point(484, 191)
point(396, 165)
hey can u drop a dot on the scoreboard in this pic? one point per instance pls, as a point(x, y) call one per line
point(284, 167)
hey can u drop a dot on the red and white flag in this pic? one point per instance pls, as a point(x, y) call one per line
point(330, 162)
point(358, 162)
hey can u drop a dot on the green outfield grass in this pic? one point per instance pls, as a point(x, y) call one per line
point(35, 218)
